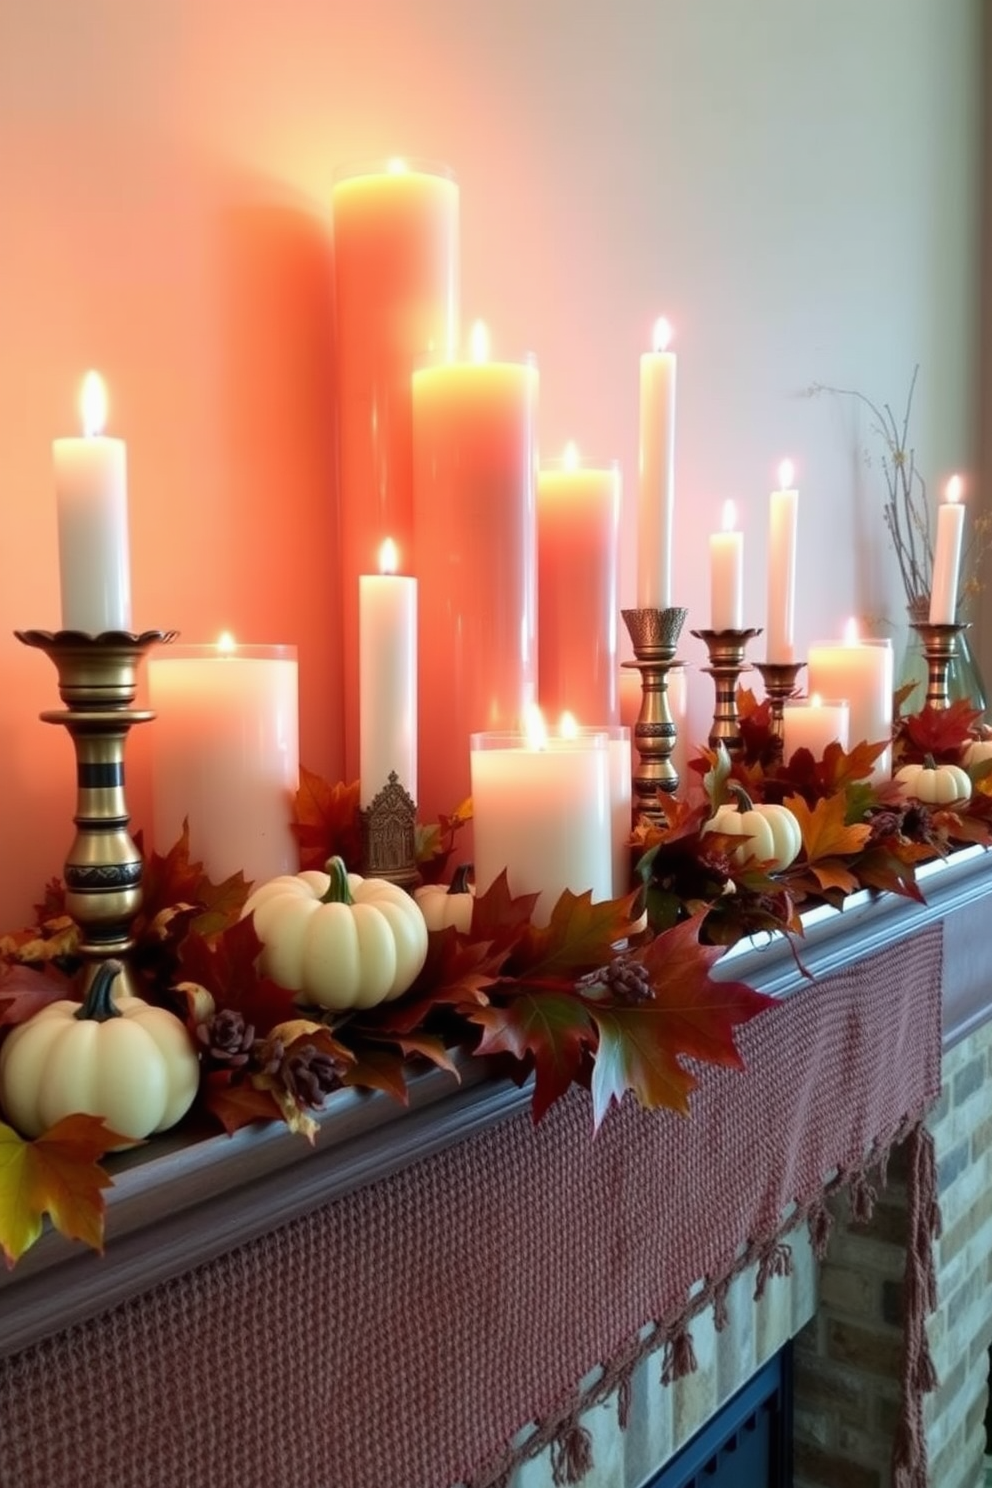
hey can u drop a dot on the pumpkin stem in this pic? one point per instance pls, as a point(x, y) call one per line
point(929, 763)
point(98, 1005)
point(459, 879)
point(740, 795)
point(338, 891)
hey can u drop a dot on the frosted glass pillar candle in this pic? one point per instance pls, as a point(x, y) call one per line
point(621, 795)
point(947, 556)
point(656, 467)
point(862, 672)
point(578, 535)
point(475, 559)
point(395, 262)
point(813, 723)
point(727, 574)
point(91, 503)
point(387, 609)
point(225, 755)
point(542, 812)
point(783, 511)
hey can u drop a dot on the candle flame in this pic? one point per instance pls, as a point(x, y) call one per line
point(388, 557)
point(397, 166)
point(729, 516)
point(535, 727)
point(786, 474)
point(662, 334)
point(851, 631)
point(567, 726)
point(226, 644)
point(93, 404)
point(480, 342)
point(571, 456)
point(815, 700)
point(952, 491)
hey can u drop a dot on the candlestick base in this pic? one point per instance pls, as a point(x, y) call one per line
point(97, 678)
point(779, 678)
point(654, 635)
point(389, 837)
point(940, 644)
point(726, 652)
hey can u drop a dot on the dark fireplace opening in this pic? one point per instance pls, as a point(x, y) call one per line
point(748, 1443)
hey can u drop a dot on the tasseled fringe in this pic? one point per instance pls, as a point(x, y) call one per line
point(820, 1223)
point(863, 1198)
point(775, 1261)
point(680, 1357)
point(919, 1377)
point(571, 1455)
point(624, 1393)
point(720, 1314)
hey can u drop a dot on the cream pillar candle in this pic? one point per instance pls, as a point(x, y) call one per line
point(225, 755)
point(621, 794)
point(783, 512)
point(91, 500)
point(727, 574)
point(947, 556)
point(542, 812)
point(861, 671)
point(656, 489)
point(387, 677)
point(812, 723)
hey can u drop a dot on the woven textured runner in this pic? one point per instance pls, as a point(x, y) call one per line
point(401, 1336)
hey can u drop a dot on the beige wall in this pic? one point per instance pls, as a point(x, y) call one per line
point(793, 182)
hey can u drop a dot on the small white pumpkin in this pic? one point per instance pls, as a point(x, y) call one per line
point(120, 1058)
point(443, 905)
point(775, 834)
point(977, 752)
point(933, 784)
point(341, 941)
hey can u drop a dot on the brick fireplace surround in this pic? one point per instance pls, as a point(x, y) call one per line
point(845, 1315)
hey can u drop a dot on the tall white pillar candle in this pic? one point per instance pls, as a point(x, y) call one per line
point(783, 510)
point(812, 723)
point(621, 795)
point(91, 502)
point(387, 677)
point(541, 810)
point(225, 755)
point(861, 671)
point(656, 491)
point(727, 574)
point(947, 556)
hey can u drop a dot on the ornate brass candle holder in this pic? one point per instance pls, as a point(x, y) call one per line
point(98, 682)
point(389, 835)
point(940, 644)
point(654, 635)
point(726, 650)
point(779, 678)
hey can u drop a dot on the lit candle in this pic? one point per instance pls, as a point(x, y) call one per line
point(225, 755)
point(621, 771)
point(578, 533)
point(91, 499)
point(542, 812)
point(862, 672)
point(947, 556)
point(656, 495)
point(395, 263)
point(727, 574)
point(474, 437)
point(782, 514)
point(387, 627)
point(811, 723)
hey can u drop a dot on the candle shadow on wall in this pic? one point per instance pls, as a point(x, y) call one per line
point(278, 401)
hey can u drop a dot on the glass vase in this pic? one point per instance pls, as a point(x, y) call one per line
point(964, 677)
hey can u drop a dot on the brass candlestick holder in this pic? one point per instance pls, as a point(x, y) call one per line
point(940, 644)
point(780, 679)
point(654, 635)
point(389, 835)
point(726, 651)
point(98, 682)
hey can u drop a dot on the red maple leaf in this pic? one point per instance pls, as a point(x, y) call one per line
point(326, 822)
point(579, 938)
point(235, 1102)
point(942, 732)
point(550, 1031)
point(226, 967)
point(24, 991)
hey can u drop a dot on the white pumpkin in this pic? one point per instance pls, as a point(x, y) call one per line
point(341, 941)
point(120, 1058)
point(933, 784)
point(443, 905)
point(977, 752)
point(775, 834)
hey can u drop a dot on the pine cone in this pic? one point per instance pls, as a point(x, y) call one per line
point(227, 1038)
point(627, 981)
point(309, 1075)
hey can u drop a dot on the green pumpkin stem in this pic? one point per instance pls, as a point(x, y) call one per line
point(740, 795)
point(98, 1005)
point(459, 879)
point(338, 891)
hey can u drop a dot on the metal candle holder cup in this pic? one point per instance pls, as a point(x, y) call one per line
point(726, 652)
point(940, 644)
point(98, 683)
point(780, 679)
point(654, 635)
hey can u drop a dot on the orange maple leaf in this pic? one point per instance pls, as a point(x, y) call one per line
point(325, 822)
point(579, 937)
point(825, 832)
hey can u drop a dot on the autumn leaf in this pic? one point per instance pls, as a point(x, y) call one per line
point(177, 895)
point(456, 972)
point(57, 1174)
point(890, 866)
point(825, 831)
point(25, 991)
point(499, 917)
point(840, 767)
point(579, 937)
point(226, 968)
point(235, 1101)
point(942, 732)
point(551, 1030)
point(379, 1067)
point(436, 842)
point(52, 905)
point(326, 822)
